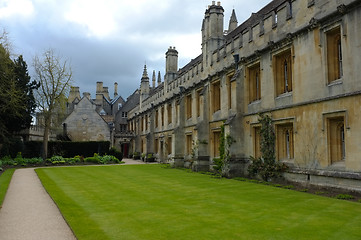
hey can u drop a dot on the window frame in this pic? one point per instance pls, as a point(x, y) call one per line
point(198, 102)
point(257, 141)
point(336, 141)
point(146, 122)
point(156, 145)
point(254, 86)
point(285, 144)
point(189, 139)
point(216, 96)
point(283, 71)
point(334, 54)
point(169, 145)
point(162, 116)
point(189, 106)
point(169, 113)
point(216, 137)
point(156, 118)
point(229, 89)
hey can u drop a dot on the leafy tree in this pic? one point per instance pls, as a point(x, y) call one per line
point(27, 88)
point(54, 76)
point(11, 97)
point(16, 94)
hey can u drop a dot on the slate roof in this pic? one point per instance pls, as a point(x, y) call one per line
point(255, 18)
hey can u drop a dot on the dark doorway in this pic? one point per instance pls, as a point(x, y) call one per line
point(125, 149)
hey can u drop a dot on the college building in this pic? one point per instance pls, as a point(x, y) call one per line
point(297, 61)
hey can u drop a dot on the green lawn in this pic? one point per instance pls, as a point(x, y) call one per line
point(4, 183)
point(151, 202)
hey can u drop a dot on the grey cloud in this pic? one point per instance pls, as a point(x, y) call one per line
point(120, 57)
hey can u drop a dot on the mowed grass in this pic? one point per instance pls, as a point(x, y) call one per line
point(152, 202)
point(5, 179)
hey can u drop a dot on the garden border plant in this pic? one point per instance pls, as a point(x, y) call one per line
point(20, 161)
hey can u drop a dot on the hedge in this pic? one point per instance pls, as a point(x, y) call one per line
point(66, 149)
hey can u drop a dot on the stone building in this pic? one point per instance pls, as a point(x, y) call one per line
point(295, 60)
point(84, 123)
point(97, 119)
point(123, 135)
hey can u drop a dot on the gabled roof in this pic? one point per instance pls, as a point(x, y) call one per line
point(74, 113)
point(116, 99)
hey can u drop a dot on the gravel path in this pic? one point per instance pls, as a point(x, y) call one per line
point(29, 213)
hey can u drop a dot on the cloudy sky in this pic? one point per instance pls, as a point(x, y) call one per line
point(111, 40)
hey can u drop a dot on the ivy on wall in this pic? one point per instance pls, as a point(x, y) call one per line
point(220, 164)
point(266, 166)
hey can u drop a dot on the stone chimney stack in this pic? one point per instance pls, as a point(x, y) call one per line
point(115, 89)
point(74, 93)
point(106, 93)
point(99, 87)
point(212, 30)
point(99, 93)
point(171, 64)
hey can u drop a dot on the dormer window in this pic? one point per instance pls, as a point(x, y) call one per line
point(102, 113)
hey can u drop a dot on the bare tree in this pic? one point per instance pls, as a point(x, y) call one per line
point(54, 75)
point(5, 41)
point(309, 152)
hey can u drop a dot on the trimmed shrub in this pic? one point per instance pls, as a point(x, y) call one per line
point(109, 159)
point(114, 152)
point(66, 149)
point(345, 196)
point(136, 155)
point(32, 149)
point(86, 149)
point(12, 147)
point(56, 160)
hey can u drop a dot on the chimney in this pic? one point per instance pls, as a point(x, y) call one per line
point(115, 89)
point(87, 95)
point(171, 64)
point(99, 93)
point(106, 93)
point(99, 87)
point(74, 93)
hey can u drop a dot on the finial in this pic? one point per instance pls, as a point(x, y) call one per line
point(145, 73)
point(159, 77)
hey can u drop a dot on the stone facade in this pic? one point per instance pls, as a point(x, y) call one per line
point(295, 60)
point(101, 118)
point(85, 124)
